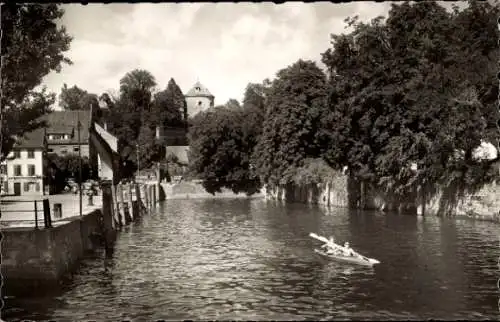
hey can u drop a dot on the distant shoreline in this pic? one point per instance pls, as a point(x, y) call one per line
point(210, 196)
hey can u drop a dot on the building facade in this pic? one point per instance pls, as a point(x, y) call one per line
point(198, 99)
point(24, 166)
point(62, 132)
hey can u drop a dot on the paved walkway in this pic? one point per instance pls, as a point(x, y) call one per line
point(19, 211)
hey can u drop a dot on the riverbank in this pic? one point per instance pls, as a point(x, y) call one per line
point(194, 190)
point(34, 257)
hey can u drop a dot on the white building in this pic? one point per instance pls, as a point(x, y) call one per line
point(25, 166)
point(198, 99)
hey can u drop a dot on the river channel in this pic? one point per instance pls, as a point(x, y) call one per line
point(253, 260)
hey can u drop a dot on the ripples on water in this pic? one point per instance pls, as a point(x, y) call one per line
point(253, 260)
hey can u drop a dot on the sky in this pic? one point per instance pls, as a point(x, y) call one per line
point(223, 45)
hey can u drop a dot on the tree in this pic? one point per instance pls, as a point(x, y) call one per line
point(127, 115)
point(32, 46)
point(149, 150)
point(108, 100)
point(222, 143)
point(169, 106)
point(221, 149)
point(136, 87)
point(403, 92)
point(24, 119)
point(255, 96)
point(75, 98)
point(233, 104)
point(295, 103)
point(60, 168)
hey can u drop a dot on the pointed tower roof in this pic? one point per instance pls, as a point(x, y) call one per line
point(199, 90)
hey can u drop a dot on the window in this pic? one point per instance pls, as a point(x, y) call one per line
point(199, 103)
point(26, 186)
point(37, 187)
point(197, 89)
point(31, 170)
point(31, 154)
point(3, 169)
point(50, 150)
point(64, 151)
point(17, 170)
point(17, 154)
point(76, 149)
point(57, 137)
point(6, 186)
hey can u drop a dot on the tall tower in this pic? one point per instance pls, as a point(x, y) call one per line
point(198, 99)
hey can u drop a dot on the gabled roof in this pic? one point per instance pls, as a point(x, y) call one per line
point(199, 90)
point(60, 129)
point(66, 121)
point(31, 140)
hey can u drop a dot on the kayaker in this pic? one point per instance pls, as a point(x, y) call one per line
point(348, 250)
point(332, 247)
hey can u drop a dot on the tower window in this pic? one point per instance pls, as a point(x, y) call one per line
point(198, 89)
point(199, 103)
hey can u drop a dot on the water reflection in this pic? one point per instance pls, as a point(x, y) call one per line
point(253, 260)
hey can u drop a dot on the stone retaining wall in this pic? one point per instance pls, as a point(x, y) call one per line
point(343, 191)
point(45, 255)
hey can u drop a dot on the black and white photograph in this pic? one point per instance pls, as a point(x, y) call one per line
point(250, 161)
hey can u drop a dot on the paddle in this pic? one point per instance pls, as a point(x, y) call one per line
point(325, 240)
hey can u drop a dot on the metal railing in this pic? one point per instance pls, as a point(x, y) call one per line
point(45, 208)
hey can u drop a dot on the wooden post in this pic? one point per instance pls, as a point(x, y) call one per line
point(153, 194)
point(130, 201)
point(121, 203)
point(109, 227)
point(138, 198)
point(36, 216)
point(46, 213)
point(146, 197)
point(116, 214)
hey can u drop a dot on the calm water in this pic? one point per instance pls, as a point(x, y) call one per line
point(252, 259)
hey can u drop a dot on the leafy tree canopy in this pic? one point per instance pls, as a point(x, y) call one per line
point(32, 46)
point(220, 151)
point(75, 98)
point(404, 92)
point(169, 106)
point(295, 103)
point(222, 142)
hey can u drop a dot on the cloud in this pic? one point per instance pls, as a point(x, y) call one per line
point(225, 45)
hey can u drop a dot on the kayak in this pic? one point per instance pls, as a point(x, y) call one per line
point(355, 258)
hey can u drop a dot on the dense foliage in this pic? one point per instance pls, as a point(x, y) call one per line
point(294, 106)
point(61, 168)
point(222, 141)
point(407, 100)
point(75, 98)
point(405, 92)
point(32, 46)
point(135, 114)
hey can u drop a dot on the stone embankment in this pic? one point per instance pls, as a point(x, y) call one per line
point(342, 191)
point(42, 256)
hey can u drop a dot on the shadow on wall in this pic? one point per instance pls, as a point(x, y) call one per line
point(344, 191)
